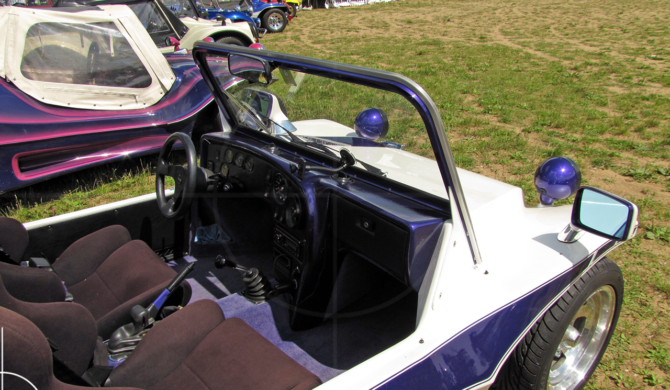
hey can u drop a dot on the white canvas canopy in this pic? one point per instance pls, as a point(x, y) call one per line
point(89, 57)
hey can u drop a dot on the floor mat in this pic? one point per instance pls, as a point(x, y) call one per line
point(261, 318)
point(338, 343)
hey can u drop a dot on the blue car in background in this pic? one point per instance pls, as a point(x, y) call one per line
point(272, 17)
point(196, 10)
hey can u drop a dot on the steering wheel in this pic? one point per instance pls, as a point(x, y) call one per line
point(184, 177)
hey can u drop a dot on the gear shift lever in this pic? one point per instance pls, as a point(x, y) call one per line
point(125, 338)
point(258, 287)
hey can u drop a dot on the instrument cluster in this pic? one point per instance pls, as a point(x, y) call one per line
point(251, 174)
point(232, 159)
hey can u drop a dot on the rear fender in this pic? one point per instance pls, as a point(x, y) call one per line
point(236, 16)
point(272, 6)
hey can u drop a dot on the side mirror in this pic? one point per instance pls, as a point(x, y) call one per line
point(250, 68)
point(603, 214)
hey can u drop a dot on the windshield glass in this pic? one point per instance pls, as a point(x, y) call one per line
point(82, 53)
point(382, 129)
point(150, 17)
point(181, 8)
point(232, 4)
point(208, 4)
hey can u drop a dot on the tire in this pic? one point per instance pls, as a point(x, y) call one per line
point(231, 41)
point(593, 301)
point(275, 20)
point(293, 9)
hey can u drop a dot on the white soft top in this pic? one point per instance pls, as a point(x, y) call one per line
point(92, 57)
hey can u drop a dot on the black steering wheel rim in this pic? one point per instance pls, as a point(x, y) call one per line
point(184, 177)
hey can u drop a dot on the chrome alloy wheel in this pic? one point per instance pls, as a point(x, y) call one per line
point(275, 21)
point(580, 346)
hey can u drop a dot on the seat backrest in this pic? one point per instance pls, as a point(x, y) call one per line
point(32, 284)
point(13, 238)
point(27, 355)
point(26, 284)
point(69, 325)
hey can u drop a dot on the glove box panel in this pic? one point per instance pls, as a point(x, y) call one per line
point(375, 238)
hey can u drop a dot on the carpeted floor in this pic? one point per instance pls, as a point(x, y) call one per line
point(374, 323)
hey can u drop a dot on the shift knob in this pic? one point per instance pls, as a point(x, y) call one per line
point(140, 317)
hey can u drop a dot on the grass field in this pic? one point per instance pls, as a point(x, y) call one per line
point(516, 82)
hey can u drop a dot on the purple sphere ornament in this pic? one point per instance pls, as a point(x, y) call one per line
point(557, 178)
point(371, 123)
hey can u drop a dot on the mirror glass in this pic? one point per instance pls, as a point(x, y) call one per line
point(260, 101)
point(603, 213)
point(248, 68)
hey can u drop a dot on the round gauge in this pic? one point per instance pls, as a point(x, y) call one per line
point(239, 159)
point(224, 169)
point(280, 188)
point(228, 156)
point(249, 164)
point(293, 212)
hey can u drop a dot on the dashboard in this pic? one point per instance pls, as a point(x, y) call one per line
point(245, 171)
point(319, 219)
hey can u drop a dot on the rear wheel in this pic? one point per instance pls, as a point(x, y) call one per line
point(562, 350)
point(275, 20)
point(293, 9)
point(231, 41)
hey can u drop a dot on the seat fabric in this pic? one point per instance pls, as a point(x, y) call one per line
point(85, 255)
point(70, 326)
point(32, 284)
point(27, 356)
point(105, 271)
point(132, 275)
point(196, 348)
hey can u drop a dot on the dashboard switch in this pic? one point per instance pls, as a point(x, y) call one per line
point(367, 224)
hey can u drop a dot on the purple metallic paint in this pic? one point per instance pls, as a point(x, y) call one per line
point(557, 178)
point(371, 123)
point(30, 130)
point(475, 355)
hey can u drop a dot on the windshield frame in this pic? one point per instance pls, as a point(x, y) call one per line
point(379, 79)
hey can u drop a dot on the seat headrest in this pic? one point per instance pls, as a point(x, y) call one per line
point(27, 355)
point(13, 238)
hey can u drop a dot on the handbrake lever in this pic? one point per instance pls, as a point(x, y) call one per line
point(153, 309)
point(124, 338)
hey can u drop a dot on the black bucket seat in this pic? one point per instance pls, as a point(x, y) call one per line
point(105, 271)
